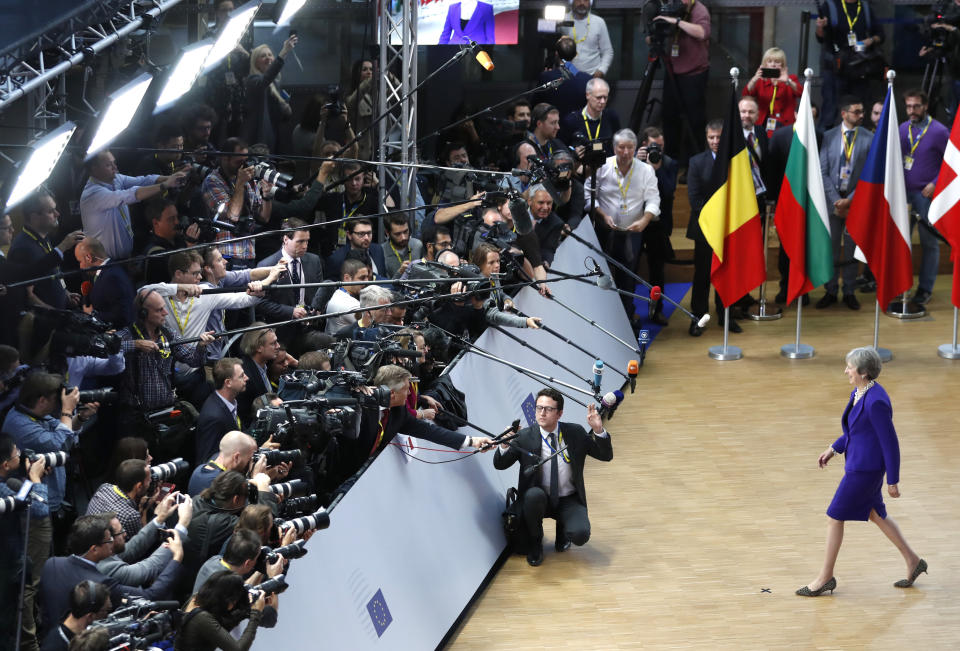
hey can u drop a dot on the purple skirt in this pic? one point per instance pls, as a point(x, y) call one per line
point(858, 494)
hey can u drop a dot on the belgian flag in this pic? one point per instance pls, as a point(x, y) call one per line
point(730, 219)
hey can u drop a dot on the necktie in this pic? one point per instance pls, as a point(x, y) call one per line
point(753, 144)
point(295, 272)
point(554, 473)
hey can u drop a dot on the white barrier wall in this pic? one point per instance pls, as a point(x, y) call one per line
point(409, 545)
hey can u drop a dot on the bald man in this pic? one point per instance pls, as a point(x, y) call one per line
point(236, 453)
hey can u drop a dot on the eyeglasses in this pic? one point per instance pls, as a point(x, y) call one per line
point(107, 542)
point(546, 409)
point(117, 534)
point(363, 233)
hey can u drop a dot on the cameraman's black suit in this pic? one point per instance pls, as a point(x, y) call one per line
point(571, 514)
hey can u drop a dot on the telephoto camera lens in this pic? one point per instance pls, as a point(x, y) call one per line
point(168, 470)
point(276, 585)
point(296, 505)
point(293, 550)
point(103, 396)
point(275, 457)
point(318, 520)
point(54, 459)
point(293, 488)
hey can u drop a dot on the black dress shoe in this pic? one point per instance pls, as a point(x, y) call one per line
point(695, 330)
point(658, 319)
point(734, 326)
point(829, 585)
point(535, 555)
point(827, 300)
point(851, 301)
point(780, 298)
point(561, 544)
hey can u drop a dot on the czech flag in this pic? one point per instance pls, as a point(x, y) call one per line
point(878, 220)
point(730, 219)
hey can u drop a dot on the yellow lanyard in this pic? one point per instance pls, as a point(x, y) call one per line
point(623, 190)
point(563, 454)
point(397, 253)
point(176, 314)
point(848, 146)
point(587, 125)
point(217, 465)
point(853, 22)
point(914, 143)
point(42, 242)
point(162, 343)
point(120, 493)
point(586, 32)
point(225, 565)
point(356, 206)
point(773, 99)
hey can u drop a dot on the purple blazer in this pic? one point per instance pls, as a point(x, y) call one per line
point(480, 27)
point(869, 440)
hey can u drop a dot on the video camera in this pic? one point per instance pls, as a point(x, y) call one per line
point(595, 151)
point(661, 31)
point(79, 334)
point(140, 623)
point(335, 106)
point(942, 12)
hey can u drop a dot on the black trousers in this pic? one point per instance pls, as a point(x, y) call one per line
point(570, 514)
point(700, 292)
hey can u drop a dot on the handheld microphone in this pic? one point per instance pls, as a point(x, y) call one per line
point(519, 172)
point(608, 405)
point(597, 374)
point(522, 220)
point(22, 489)
point(555, 84)
point(86, 288)
point(604, 282)
point(484, 59)
point(633, 369)
point(703, 320)
point(655, 293)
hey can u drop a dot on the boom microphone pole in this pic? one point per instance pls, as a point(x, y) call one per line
point(540, 353)
point(700, 321)
point(539, 377)
point(587, 319)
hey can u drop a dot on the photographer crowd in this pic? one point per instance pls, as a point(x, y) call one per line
point(190, 379)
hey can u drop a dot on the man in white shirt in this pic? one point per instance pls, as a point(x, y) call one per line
point(589, 31)
point(346, 297)
point(627, 199)
point(106, 198)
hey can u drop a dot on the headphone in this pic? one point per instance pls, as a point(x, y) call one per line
point(138, 304)
point(91, 606)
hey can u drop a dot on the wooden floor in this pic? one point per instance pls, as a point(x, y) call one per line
point(712, 511)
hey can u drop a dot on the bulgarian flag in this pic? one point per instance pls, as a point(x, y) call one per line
point(944, 210)
point(802, 220)
point(730, 219)
point(878, 220)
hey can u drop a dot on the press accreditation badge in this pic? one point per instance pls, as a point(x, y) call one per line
point(852, 39)
point(675, 50)
point(230, 78)
point(908, 162)
point(771, 124)
point(845, 172)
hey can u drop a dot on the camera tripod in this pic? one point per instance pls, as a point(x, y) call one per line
point(643, 106)
point(933, 81)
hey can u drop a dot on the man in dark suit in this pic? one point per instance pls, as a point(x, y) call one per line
point(842, 156)
point(557, 489)
point(112, 294)
point(359, 245)
point(699, 172)
point(302, 267)
point(219, 413)
point(91, 541)
point(260, 347)
point(377, 432)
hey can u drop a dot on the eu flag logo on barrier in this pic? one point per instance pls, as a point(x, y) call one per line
point(529, 409)
point(379, 613)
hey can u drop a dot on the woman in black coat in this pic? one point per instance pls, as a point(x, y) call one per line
point(267, 108)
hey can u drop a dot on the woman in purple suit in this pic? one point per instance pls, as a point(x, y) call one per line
point(468, 20)
point(870, 445)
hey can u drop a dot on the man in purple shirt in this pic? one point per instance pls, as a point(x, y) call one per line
point(923, 141)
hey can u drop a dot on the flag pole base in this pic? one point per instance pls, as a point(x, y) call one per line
point(885, 354)
point(904, 310)
point(761, 312)
point(797, 351)
point(725, 353)
point(949, 351)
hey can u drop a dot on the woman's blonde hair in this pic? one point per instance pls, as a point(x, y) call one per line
point(254, 55)
point(774, 53)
